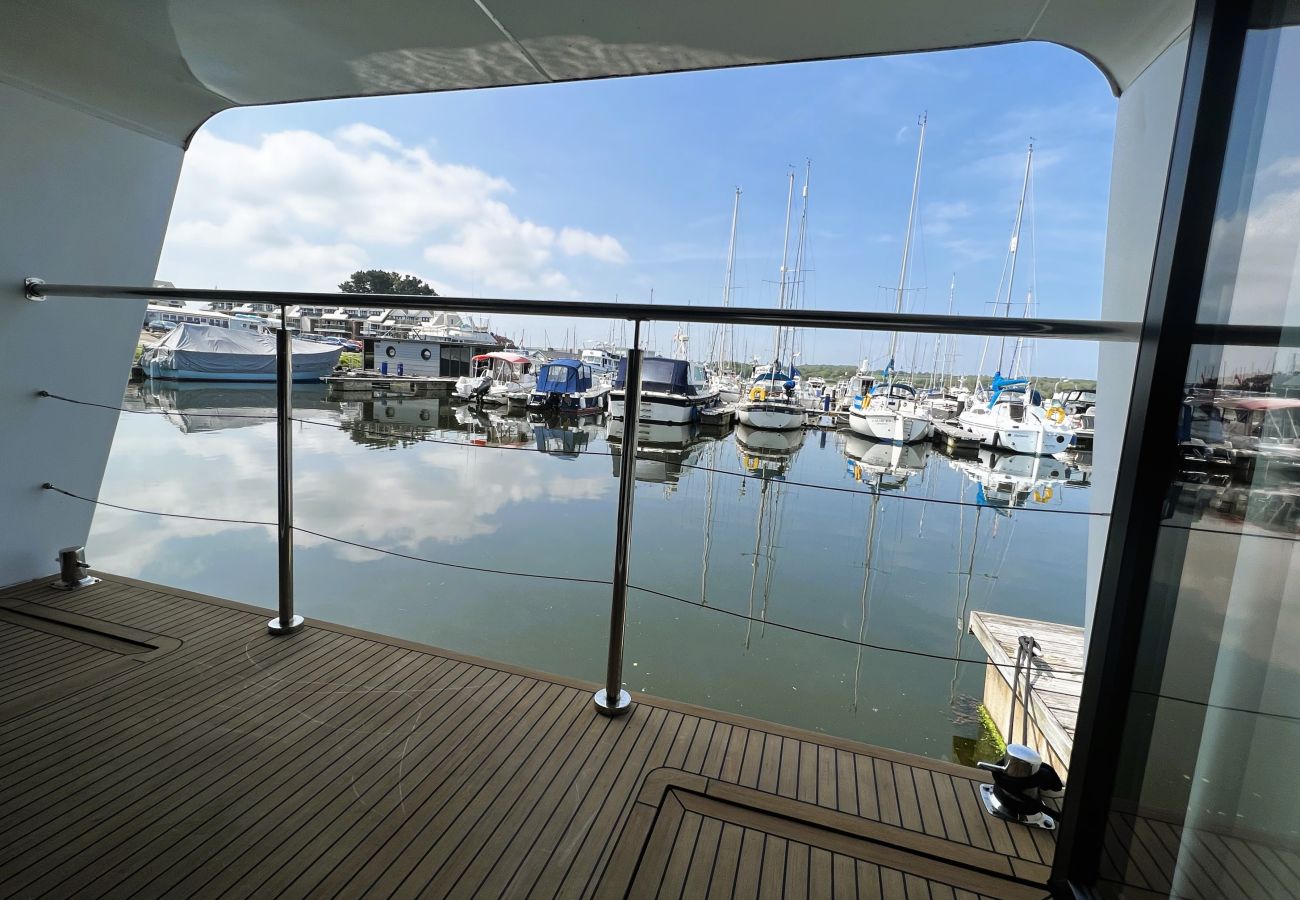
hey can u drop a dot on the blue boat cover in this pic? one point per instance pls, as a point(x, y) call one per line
point(658, 373)
point(564, 376)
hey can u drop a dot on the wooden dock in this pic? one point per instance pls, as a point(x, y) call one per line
point(1055, 682)
point(161, 743)
point(367, 384)
point(954, 439)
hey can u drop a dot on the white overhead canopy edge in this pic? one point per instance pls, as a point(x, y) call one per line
point(163, 67)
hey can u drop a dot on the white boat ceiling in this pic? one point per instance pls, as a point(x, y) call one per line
point(162, 67)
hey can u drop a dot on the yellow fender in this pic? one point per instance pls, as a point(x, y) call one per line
point(1057, 414)
point(857, 472)
point(1043, 494)
point(757, 394)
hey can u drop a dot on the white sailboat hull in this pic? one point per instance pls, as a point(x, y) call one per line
point(890, 425)
point(770, 416)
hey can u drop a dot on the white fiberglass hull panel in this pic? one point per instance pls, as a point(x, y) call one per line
point(1032, 434)
point(890, 425)
point(668, 409)
point(770, 416)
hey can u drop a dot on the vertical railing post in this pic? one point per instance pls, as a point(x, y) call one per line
point(286, 622)
point(612, 700)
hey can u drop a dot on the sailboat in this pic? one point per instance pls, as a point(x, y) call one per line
point(724, 378)
point(1010, 415)
point(771, 402)
point(893, 411)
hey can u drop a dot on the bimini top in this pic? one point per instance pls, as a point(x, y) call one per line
point(659, 373)
point(564, 376)
point(779, 376)
point(514, 359)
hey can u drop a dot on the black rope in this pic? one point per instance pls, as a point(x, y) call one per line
point(329, 537)
point(450, 565)
point(155, 412)
point(152, 512)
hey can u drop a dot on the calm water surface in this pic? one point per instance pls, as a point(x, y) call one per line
point(745, 533)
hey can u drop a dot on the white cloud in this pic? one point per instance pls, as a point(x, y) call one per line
point(576, 242)
point(940, 218)
point(301, 209)
point(359, 134)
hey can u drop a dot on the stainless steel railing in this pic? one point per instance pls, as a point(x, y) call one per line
point(612, 699)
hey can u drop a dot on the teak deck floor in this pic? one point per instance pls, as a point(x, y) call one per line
point(157, 742)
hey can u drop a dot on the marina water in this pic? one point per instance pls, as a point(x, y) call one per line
point(768, 569)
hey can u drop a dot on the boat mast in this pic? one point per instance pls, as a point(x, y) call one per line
point(1015, 244)
point(785, 258)
point(907, 244)
point(798, 297)
point(724, 342)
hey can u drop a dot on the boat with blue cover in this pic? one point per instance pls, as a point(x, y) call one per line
point(568, 387)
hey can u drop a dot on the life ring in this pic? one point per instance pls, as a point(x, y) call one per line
point(1056, 414)
point(1043, 494)
point(757, 393)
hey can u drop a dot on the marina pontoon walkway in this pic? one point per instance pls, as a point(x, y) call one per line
point(157, 742)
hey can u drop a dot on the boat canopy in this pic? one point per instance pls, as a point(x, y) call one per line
point(779, 376)
point(564, 376)
point(897, 389)
point(515, 359)
point(659, 373)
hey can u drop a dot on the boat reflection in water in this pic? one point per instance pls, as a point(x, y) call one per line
point(196, 407)
point(386, 422)
point(564, 436)
point(765, 453)
point(664, 451)
point(868, 458)
point(492, 428)
point(1011, 480)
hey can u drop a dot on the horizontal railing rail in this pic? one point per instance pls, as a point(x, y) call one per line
point(994, 326)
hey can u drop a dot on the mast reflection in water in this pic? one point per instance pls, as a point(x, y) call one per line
point(737, 526)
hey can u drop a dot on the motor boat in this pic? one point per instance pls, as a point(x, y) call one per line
point(499, 378)
point(673, 391)
point(567, 387)
point(1012, 419)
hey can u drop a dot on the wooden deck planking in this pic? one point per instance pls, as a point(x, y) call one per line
point(339, 763)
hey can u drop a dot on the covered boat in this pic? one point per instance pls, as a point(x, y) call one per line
point(567, 387)
point(673, 391)
point(209, 353)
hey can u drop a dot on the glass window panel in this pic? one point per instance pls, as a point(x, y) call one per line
point(1206, 799)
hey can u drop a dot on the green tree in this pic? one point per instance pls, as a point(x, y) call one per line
point(377, 281)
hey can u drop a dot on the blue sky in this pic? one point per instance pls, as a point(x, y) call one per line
point(617, 187)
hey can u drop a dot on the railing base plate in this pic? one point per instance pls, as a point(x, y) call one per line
point(622, 703)
point(275, 627)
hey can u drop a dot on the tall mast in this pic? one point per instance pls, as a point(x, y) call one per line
point(798, 298)
point(907, 241)
point(785, 258)
point(1014, 247)
point(724, 345)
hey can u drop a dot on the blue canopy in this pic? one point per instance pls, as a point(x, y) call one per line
point(564, 376)
point(779, 376)
point(659, 373)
